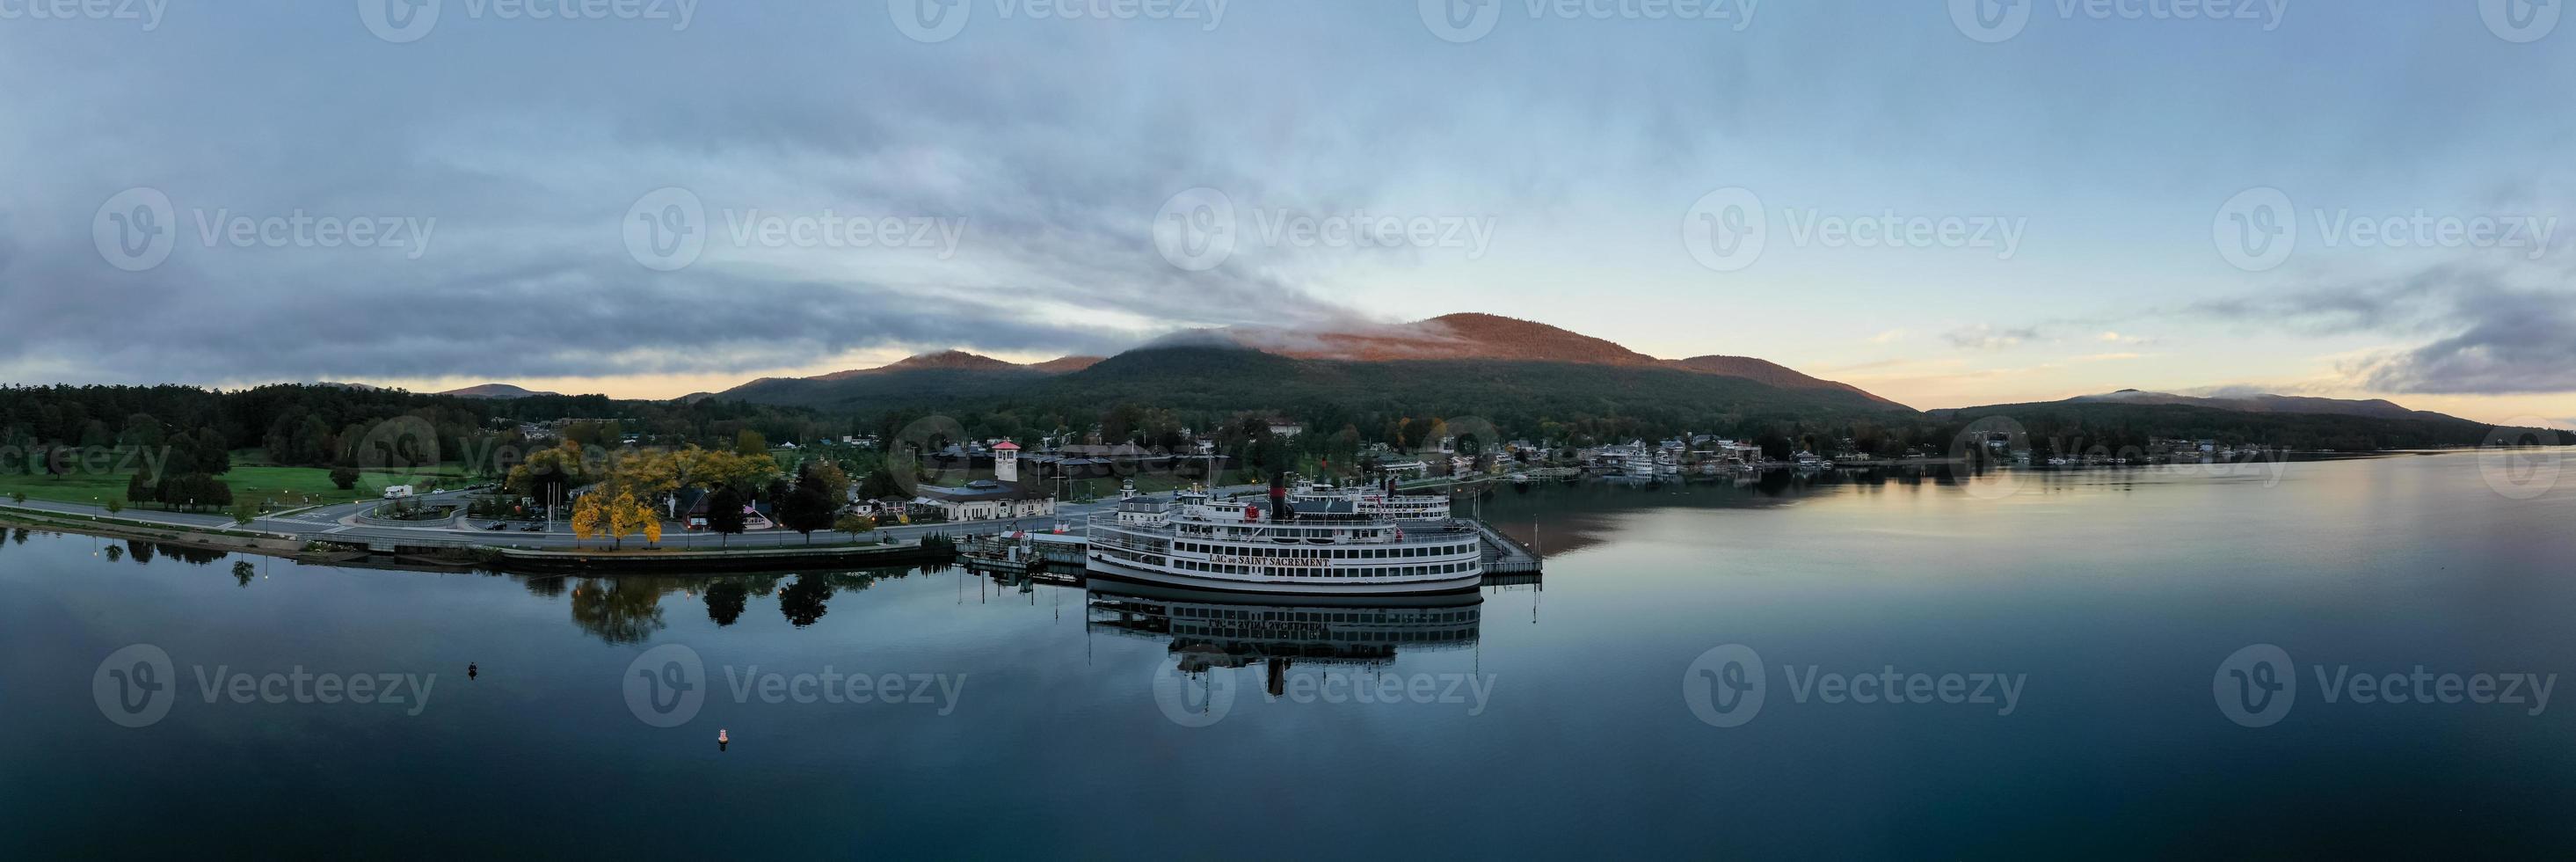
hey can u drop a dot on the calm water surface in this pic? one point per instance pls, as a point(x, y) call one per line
point(1553, 721)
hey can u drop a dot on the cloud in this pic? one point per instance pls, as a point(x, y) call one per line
point(1985, 337)
point(1889, 337)
point(2513, 342)
point(2490, 334)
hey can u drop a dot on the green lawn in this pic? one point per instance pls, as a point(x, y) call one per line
point(279, 487)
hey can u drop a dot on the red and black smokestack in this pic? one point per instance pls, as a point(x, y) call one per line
point(1279, 496)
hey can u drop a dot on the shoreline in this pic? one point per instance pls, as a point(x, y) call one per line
point(467, 557)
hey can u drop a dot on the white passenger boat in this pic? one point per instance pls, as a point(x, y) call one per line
point(1378, 500)
point(1312, 546)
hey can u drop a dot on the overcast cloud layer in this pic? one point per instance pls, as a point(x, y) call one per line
point(1535, 163)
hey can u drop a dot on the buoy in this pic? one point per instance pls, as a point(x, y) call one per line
point(720, 737)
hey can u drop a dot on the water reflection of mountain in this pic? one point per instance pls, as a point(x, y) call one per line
point(1564, 518)
point(1204, 629)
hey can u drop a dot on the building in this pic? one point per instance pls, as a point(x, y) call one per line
point(1006, 462)
point(985, 500)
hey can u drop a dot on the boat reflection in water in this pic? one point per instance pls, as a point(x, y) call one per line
point(1215, 629)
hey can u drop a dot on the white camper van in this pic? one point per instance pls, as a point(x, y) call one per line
point(397, 492)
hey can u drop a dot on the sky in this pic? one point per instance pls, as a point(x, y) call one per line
point(1947, 202)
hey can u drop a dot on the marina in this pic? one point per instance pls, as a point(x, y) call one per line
point(1318, 539)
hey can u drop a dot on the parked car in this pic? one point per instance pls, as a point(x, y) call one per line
point(533, 528)
point(496, 525)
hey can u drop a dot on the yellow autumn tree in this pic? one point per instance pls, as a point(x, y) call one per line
point(588, 516)
point(626, 517)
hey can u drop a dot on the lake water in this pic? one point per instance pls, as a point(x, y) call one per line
point(1689, 681)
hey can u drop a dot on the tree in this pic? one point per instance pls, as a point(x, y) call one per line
point(588, 516)
point(802, 602)
point(808, 506)
point(724, 514)
point(854, 524)
point(652, 526)
point(344, 476)
point(725, 602)
point(137, 490)
point(628, 516)
point(749, 442)
point(115, 505)
point(18, 497)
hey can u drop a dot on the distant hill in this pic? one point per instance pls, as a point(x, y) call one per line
point(497, 390)
point(1509, 362)
point(2126, 420)
point(1520, 391)
point(1761, 371)
point(918, 379)
point(1067, 365)
point(2376, 407)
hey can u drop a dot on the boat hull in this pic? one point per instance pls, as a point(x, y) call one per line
point(1462, 583)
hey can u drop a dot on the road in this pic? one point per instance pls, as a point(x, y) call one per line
point(338, 523)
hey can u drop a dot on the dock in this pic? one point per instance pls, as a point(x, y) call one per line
point(1503, 555)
